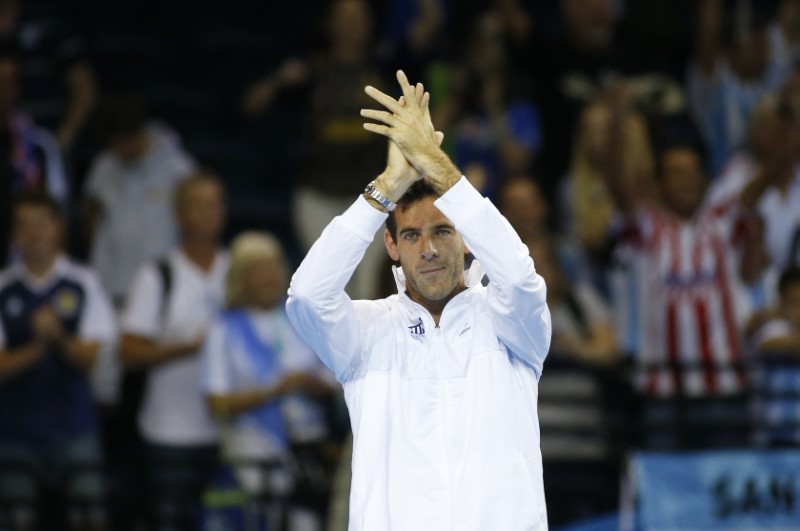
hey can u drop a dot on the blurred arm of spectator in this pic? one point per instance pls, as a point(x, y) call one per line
point(231, 404)
point(626, 183)
point(139, 347)
point(82, 88)
point(48, 328)
point(15, 361)
point(424, 28)
point(707, 36)
point(781, 334)
point(259, 96)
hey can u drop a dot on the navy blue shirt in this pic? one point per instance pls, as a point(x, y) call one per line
point(50, 402)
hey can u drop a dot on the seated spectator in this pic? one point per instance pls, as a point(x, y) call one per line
point(732, 70)
point(259, 378)
point(130, 190)
point(169, 308)
point(691, 304)
point(29, 155)
point(777, 385)
point(57, 78)
point(54, 319)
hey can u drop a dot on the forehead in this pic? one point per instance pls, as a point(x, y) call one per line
point(420, 214)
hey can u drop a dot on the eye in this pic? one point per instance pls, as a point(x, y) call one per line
point(411, 236)
point(443, 232)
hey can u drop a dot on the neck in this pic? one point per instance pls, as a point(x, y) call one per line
point(39, 267)
point(200, 252)
point(435, 308)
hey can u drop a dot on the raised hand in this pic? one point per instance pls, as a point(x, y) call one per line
point(407, 123)
point(397, 167)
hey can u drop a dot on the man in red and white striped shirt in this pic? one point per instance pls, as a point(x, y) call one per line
point(687, 269)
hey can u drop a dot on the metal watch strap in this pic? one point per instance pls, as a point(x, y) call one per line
point(385, 202)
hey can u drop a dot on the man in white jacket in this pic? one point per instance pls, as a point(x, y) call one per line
point(441, 379)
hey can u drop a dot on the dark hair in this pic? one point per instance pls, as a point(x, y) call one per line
point(418, 191)
point(119, 116)
point(674, 133)
point(37, 198)
point(790, 276)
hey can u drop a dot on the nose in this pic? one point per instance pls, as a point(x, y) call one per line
point(429, 251)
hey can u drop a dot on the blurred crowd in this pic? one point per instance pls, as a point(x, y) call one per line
point(164, 165)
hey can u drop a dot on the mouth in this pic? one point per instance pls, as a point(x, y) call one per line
point(432, 270)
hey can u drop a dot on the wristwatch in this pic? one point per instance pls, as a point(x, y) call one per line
point(384, 201)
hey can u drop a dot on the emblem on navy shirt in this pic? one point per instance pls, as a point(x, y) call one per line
point(14, 307)
point(65, 302)
point(417, 329)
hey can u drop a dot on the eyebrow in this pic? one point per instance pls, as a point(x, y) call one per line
point(435, 227)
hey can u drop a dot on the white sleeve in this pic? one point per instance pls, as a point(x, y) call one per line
point(215, 378)
point(516, 293)
point(98, 323)
point(302, 358)
point(142, 312)
point(97, 178)
point(319, 309)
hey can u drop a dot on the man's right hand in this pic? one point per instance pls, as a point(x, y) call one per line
point(410, 128)
point(399, 173)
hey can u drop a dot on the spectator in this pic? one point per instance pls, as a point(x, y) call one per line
point(612, 137)
point(58, 81)
point(577, 431)
point(260, 379)
point(129, 192)
point(29, 155)
point(778, 345)
point(339, 151)
point(689, 363)
point(733, 69)
point(581, 323)
point(164, 325)
point(496, 131)
point(784, 33)
point(767, 180)
point(521, 203)
point(574, 67)
point(55, 320)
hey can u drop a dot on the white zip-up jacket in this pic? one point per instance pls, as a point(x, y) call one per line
point(446, 435)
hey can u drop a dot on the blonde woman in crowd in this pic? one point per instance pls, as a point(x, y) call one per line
point(259, 378)
point(612, 137)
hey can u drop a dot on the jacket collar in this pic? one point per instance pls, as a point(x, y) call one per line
point(472, 278)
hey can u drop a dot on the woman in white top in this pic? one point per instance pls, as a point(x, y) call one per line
point(258, 376)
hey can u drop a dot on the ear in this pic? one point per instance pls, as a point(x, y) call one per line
point(391, 246)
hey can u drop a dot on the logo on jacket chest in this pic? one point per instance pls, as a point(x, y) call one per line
point(417, 329)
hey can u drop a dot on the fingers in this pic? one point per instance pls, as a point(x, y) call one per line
point(408, 91)
point(381, 116)
point(419, 93)
point(385, 100)
point(379, 129)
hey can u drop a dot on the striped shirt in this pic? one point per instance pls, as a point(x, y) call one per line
point(692, 302)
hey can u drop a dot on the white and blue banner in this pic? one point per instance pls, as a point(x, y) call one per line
point(717, 490)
